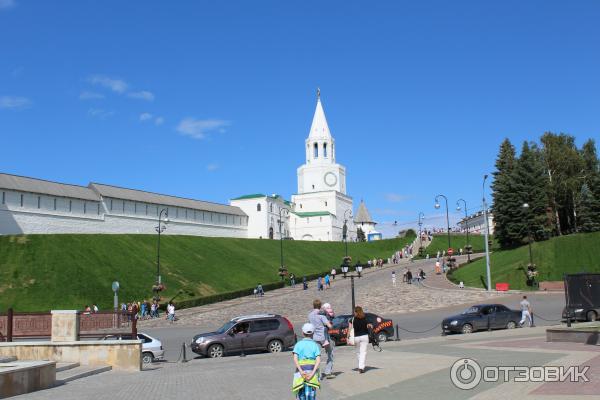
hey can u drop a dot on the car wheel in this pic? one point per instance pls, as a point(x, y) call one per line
point(511, 325)
point(382, 337)
point(147, 357)
point(275, 346)
point(215, 351)
point(591, 316)
point(467, 328)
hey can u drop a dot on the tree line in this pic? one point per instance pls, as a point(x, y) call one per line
point(559, 182)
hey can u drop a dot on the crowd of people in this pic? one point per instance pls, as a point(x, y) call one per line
point(307, 352)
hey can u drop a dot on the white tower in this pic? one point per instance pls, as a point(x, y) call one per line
point(320, 172)
point(321, 205)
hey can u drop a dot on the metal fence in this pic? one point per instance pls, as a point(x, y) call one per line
point(39, 324)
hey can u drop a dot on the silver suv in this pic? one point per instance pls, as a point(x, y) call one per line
point(269, 332)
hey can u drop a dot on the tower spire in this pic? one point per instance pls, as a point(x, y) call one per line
point(318, 94)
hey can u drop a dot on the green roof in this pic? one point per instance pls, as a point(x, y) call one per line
point(250, 196)
point(312, 214)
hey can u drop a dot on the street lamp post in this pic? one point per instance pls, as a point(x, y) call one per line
point(421, 216)
point(487, 244)
point(160, 228)
point(468, 246)
point(437, 206)
point(358, 269)
point(345, 228)
point(285, 212)
point(526, 207)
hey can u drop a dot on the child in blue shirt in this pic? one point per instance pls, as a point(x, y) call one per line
point(307, 357)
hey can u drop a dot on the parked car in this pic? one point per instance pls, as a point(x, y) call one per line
point(482, 316)
point(382, 327)
point(583, 297)
point(269, 332)
point(152, 349)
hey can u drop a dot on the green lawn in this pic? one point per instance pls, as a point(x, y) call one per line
point(554, 257)
point(440, 242)
point(43, 272)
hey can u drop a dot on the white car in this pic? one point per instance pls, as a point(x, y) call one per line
point(152, 349)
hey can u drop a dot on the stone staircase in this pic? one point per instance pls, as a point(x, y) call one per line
point(67, 372)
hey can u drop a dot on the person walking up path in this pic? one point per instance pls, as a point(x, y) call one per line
point(361, 336)
point(394, 278)
point(307, 358)
point(321, 322)
point(526, 312)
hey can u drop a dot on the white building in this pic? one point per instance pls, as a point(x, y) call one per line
point(31, 206)
point(364, 221)
point(476, 223)
point(264, 211)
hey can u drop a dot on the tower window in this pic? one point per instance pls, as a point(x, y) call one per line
point(325, 150)
point(258, 208)
point(316, 150)
point(325, 204)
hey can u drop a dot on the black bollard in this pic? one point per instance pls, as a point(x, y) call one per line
point(397, 333)
point(242, 354)
point(183, 353)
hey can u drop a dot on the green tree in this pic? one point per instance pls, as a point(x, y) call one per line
point(505, 203)
point(529, 185)
point(360, 235)
point(589, 211)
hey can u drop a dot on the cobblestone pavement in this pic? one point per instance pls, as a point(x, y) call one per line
point(415, 369)
point(374, 291)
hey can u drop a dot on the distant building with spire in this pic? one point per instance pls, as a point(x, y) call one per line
point(364, 221)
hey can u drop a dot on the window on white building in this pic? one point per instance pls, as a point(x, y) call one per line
point(54, 204)
point(316, 150)
point(3, 197)
point(271, 207)
point(325, 150)
point(98, 212)
point(70, 205)
point(258, 207)
point(325, 204)
point(111, 205)
point(84, 207)
point(21, 200)
point(39, 201)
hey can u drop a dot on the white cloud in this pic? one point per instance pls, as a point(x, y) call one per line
point(395, 197)
point(199, 128)
point(145, 116)
point(159, 121)
point(100, 113)
point(85, 95)
point(142, 95)
point(6, 4)
point(14, 102)
point(212, 167)
point(116, 85)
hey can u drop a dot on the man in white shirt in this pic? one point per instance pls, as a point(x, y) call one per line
point(525, 312)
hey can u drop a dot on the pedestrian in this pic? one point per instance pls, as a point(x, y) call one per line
point(304, 283)
point(360, 326)
point(320, 283)
point(409, 277)
point(307, 358)
point(333, 272)
point(394, 278)
point(292, 280)
point(320, 323)
point(143, 309)
point(87, 309)
point(171, 312)
point(327, 281)
point(526, 312)
point(261, 291)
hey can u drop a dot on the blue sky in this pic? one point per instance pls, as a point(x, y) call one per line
point(212, 100)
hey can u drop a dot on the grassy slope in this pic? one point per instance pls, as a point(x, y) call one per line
point(565, 254)
point(440, 242)
point(41, 272)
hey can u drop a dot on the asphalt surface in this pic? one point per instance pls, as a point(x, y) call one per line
point(547, 311)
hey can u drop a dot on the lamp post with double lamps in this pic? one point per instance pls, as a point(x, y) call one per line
point(421, 217)
point(468, 246)
point(352, 276)
point(437, 206)
point(282, 213)
point(345, 228)
point(162, 225)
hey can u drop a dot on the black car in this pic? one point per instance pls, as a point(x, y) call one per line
point(480, 317)
point(383, 328)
